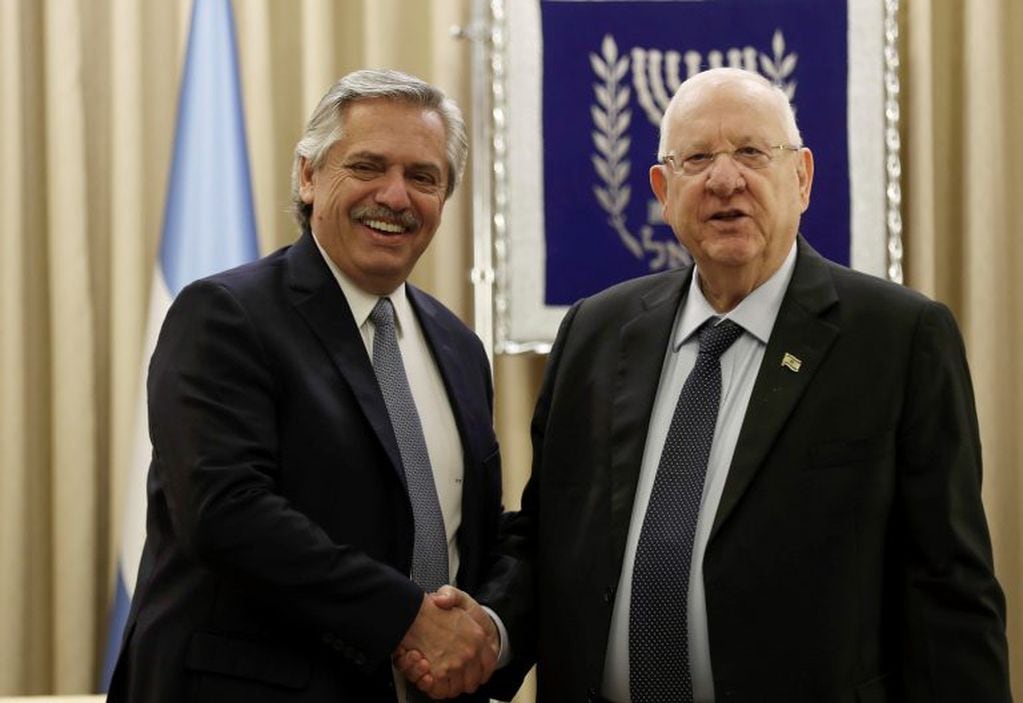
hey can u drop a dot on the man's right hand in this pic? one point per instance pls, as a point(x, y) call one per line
point(449, 649)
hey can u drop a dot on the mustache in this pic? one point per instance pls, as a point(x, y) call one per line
point(405, 218)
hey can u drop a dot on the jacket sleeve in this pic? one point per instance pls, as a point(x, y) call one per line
point(953, 637)
point(511, 588)
point(213, 424)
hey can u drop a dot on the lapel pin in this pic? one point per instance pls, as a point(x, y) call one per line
point(791, 363)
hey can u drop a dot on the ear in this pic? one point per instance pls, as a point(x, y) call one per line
point(659, 183)
point(306, 180)
point(805, 173)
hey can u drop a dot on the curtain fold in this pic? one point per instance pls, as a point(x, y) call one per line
point(73, 324)
point(964, 149)
point(15, 575)
point(88, 102)
point(991, 280)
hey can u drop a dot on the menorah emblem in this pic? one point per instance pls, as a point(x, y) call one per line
point(656, 75)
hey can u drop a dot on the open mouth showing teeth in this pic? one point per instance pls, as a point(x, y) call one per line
point(382, 226)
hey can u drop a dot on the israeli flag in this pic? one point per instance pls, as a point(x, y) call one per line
point(209, 226)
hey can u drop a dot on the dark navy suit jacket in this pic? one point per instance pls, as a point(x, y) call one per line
point(279, 534)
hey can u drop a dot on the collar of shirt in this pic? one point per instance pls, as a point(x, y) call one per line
point(755, 313)
point(361, 302)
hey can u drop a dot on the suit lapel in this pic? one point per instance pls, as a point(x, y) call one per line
point(472, 416)
point(643, 343)
point(449, 362)
point(799, 331)
point(319, 300)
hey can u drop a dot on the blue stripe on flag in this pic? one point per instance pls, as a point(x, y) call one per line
point(118, 616)
point(209, 223)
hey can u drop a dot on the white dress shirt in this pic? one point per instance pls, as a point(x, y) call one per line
point(443, 443)
point(739, 366)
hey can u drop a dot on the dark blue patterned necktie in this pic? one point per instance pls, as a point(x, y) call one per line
point(430, 550)
point(658, 633)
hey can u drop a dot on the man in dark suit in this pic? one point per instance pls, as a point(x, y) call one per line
point(321, 430)
point(757, 478)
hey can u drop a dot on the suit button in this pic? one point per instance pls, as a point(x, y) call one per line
point(591, 695)
point(609, 594)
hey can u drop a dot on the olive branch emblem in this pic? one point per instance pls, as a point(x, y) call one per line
point(778, 69)
point(611, 118)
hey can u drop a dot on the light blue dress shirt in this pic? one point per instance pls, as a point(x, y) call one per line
point(739, 366)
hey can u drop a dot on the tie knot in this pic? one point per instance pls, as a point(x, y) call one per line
point(383, 313)
point(716, 338)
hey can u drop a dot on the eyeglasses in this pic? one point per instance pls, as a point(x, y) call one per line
point(748, 156)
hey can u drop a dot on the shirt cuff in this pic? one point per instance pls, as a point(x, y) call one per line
point(504, 651)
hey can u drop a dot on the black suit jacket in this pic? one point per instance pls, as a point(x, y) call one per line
point(849, 558)
point(279, 534)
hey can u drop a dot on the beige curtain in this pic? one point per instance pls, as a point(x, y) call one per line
point(88, 92)
point(963, 70)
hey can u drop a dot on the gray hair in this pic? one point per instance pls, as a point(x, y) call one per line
point(721, 75)
point(326, 125)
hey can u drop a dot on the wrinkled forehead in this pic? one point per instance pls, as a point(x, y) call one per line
point(731, 111)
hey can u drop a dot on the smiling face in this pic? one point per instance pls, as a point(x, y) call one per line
point(378, 195)
point(737, 222)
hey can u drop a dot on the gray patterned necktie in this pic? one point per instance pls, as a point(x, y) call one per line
point(658, 632)
point(430, 550)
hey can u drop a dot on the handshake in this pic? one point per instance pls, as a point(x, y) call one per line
point(451, 647)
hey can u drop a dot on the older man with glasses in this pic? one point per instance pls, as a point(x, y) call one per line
point(756, 478)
